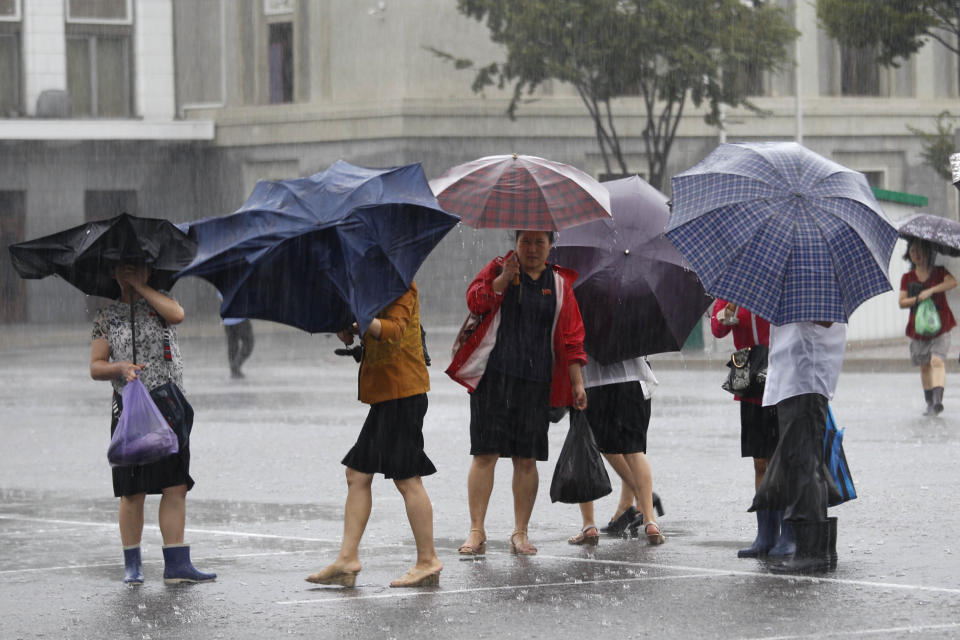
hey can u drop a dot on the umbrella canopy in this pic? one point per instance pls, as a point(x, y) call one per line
point(87, 255)
point(782, 231)
point(521, 192)
point(942, 233)
point(637, 294)
point(320, 252)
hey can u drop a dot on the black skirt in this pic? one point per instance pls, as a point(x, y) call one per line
point(510, 416)
point(151, 478)
point(619, 416)
point(391, 440)
point(759, 430)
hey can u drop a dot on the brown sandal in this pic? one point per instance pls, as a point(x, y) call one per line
point(409, 579)
point(583, 538)
point(469, 550)
point(337, 578)
point(656, 537)
point(524, 548)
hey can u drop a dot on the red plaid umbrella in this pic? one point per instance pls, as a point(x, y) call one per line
point(521, 192)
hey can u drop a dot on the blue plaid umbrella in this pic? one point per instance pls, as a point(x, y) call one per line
point(782, 231)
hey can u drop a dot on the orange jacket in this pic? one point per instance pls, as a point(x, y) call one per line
point(393, 365)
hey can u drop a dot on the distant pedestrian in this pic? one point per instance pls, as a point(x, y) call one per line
point(759, 430)
point(618, 410)
point(394, 382)
point(802, 372)
point(923, 281)
point(239, 343)
point(111, 357)
point(524, 357)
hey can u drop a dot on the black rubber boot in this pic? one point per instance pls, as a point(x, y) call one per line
point(937, 393)
point(832, 542)
point(928, 396)
point(768, 528)
point(813, 549)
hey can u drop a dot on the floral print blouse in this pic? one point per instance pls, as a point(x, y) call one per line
point(112, 323)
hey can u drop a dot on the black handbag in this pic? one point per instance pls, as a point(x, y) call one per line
point(170, 400)
point(175, 408)
point(748, 372)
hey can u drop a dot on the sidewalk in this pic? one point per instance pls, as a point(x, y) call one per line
point(861, 355)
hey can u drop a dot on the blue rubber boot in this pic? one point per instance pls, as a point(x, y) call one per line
point(177, 567)
point(768, 523)
point(787, 544)
point(133, 568)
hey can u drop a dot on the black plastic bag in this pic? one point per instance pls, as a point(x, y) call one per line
point(579, 475)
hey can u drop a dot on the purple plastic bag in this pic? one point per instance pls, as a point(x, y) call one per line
point(142, 434)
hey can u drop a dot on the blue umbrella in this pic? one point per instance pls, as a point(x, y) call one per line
point(320, 252)
point(782, 231)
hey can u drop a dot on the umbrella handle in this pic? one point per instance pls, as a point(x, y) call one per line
point(133, 327)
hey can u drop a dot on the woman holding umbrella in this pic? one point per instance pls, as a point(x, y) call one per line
point(112, 359)
point(925, 281)
point(394, 382)
point(524, 357)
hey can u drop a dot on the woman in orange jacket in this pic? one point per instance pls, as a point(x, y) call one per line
point(394, 382)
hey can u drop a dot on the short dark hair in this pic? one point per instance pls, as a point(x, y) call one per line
point(928, 249)
point(551, 235)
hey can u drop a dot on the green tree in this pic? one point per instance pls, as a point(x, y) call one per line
point(667, 52)
point(897, 29)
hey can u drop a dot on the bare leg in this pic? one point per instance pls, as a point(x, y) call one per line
point(356, 512)
point(479, 488)
point(759, 468)
point(938, 372)
point(420, 515)
point(172, 515)
point(926, 375)
point(526, 481)
point(628, 488)
point(130, 518)
point(642, 482)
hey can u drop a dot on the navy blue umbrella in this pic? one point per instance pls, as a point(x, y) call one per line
point(637, 294)
point(782, 231)
point(320, 252)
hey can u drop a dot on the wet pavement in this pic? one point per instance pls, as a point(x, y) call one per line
point(267, 509)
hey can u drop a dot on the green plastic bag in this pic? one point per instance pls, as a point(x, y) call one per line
point(926, 321)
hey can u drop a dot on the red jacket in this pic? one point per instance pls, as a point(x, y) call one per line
point(470, 362)
point(742, 333)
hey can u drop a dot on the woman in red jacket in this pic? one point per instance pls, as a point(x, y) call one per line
point(759, 430)
point(925, 280)
point(524, 357)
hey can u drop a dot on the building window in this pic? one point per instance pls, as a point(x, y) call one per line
point(859, 72)
point(100, 205)
point(12, 291)
point(100, 11)
point(9, 71)
point(10, 10)
point(875, 179)
point(98, 75)
point(280, 52)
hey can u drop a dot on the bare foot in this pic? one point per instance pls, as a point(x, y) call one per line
point(475, 544)
point(420, 576)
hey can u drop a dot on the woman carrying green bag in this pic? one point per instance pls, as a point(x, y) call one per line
point(923, 290)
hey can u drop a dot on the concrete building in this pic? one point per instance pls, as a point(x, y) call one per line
point(175, 108)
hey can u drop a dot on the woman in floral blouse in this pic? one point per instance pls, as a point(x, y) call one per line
point(111, 359)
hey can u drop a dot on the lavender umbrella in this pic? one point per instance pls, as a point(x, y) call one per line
point(637, 294)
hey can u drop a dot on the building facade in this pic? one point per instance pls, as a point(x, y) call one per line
point(175, 108)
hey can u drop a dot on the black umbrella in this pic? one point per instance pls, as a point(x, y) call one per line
point(87, 255)
point(637, 294)
point(942, 233)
